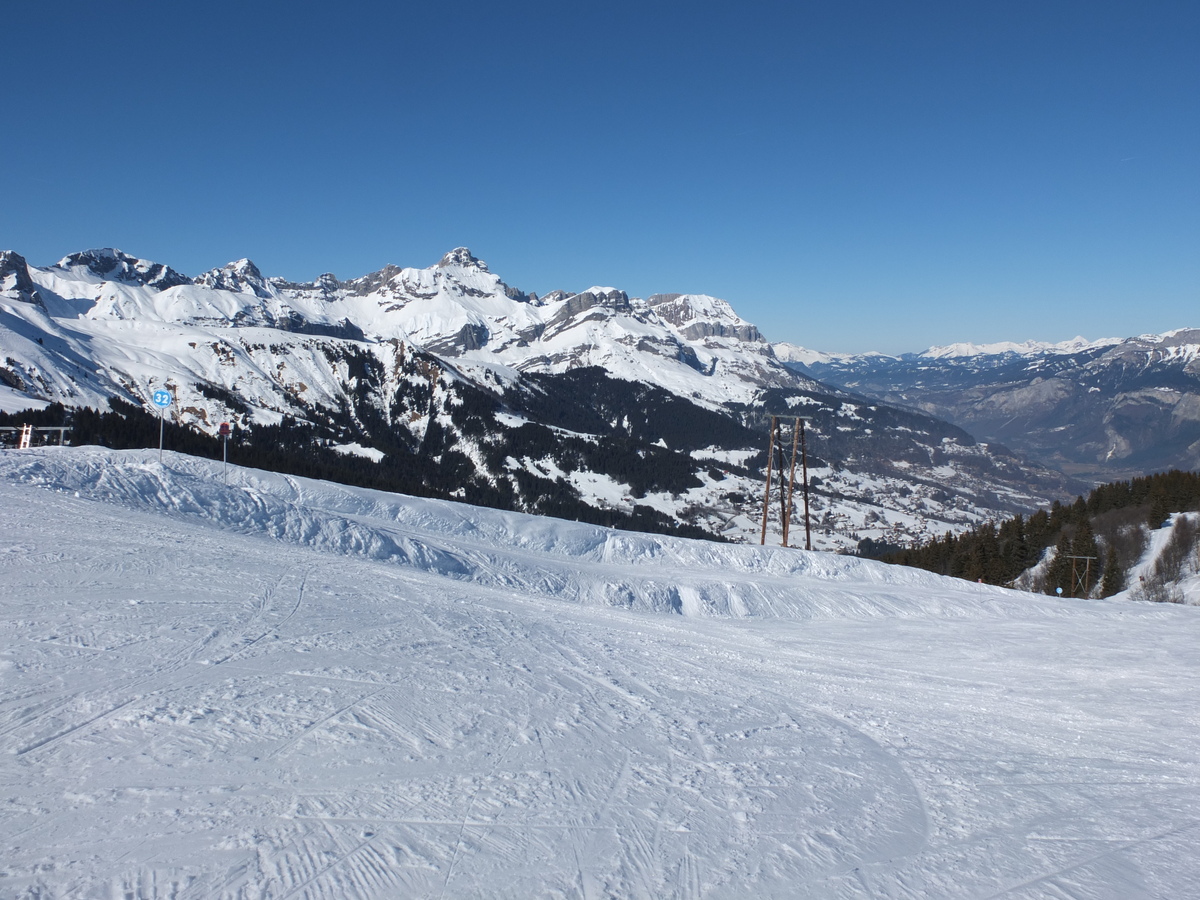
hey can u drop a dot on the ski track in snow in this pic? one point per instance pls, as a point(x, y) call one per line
point(287, 689)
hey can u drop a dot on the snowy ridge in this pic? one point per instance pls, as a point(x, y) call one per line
point(109, 264)
point(792, 353)
point(690, 344)
point(965, 350)
point(1023, 348)
point(283, 688)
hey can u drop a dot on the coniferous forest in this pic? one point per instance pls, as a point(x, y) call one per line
point(1096, 541)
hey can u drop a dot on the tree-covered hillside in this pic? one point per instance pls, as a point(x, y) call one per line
point(1097, 541)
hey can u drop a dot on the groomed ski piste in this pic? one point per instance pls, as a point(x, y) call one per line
point(282, 688)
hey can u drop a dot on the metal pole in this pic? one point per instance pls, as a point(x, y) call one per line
point(767, 491)
point(161, 414)
point(804, 458)
point(225, 458)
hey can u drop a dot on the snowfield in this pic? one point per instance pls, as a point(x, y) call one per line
point(283, 688)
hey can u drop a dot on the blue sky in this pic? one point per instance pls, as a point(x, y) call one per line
point(851, 176)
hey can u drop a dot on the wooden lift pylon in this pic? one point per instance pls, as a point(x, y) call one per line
point(787, 486)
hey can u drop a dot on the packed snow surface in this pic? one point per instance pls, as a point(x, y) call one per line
point(286, 688)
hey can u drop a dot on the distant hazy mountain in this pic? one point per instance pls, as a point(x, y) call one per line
point(643, 412)
point(1094, 409)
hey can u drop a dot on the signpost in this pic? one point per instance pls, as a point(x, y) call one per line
point(162, 399)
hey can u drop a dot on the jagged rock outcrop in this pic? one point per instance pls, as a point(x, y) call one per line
point(114, 265)
point(15, 283)
point(241, 277)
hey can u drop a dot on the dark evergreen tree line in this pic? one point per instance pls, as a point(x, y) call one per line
point(998, 554)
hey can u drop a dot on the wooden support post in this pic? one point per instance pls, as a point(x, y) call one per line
point(804, 459)
point(783, 499)
point(791, 491)
point(767, 491)
point(1081, 581)
point(787, 486)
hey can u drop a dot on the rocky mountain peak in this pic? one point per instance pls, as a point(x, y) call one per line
point(462, 258)
point(327, 283)
point(604, 298)
point(700, 316)
point(14, 274)
point(369, 284)
point(1180, 337)
point(15, 281)
point(241, 277)
point(112, 264)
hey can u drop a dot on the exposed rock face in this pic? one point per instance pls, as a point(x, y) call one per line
point(469, 337)
point(370, 284)
point(516, 294)
point(577, 304)
point(15, 283)
point(241, 277)
point(701, 317)
point(327, 284)
point(114, 265)
point(461, 257)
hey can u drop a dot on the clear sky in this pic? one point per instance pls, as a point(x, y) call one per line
point(850, 175)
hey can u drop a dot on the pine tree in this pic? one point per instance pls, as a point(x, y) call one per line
point(1113, 579)
point(1037, 534)
point(1160, 508)
point(1058, 574)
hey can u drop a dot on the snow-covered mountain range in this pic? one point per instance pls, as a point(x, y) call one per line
point(1102, 410)
point(691, 345)
point(652, 410)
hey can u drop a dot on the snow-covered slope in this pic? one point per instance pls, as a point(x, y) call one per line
point(284, 688)
point(1169, 569)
